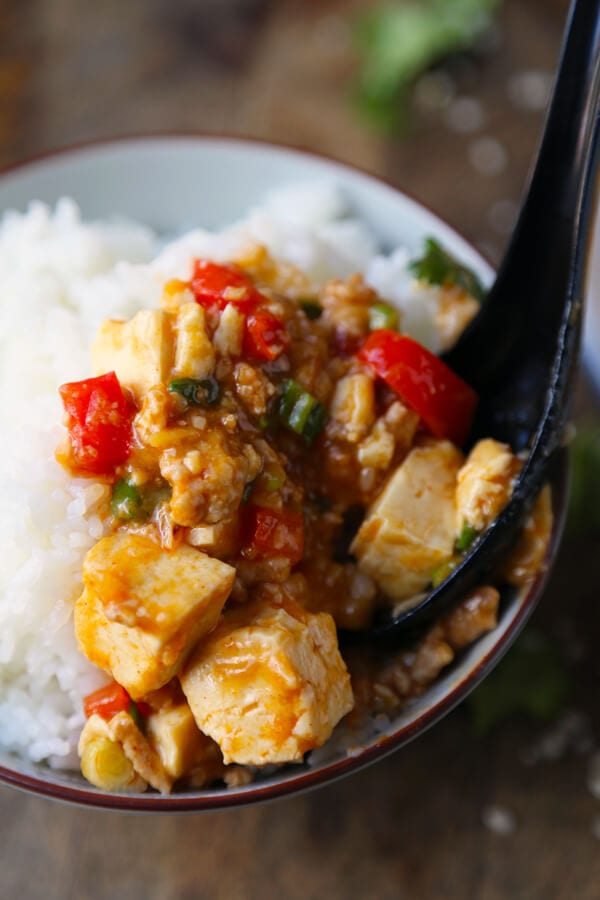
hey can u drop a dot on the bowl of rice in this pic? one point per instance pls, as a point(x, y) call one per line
point(87, 235)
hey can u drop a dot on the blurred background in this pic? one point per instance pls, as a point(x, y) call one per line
point(445, 99)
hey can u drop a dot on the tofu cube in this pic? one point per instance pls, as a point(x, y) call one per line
point(485, 484)
point(353, 405)
point(139, 351)
point(269, 684)
point(410, 529)
point(174, 735)
point(194, 353)
point(143, 607)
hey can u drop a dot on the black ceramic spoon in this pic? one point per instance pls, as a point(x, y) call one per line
point(521, 351)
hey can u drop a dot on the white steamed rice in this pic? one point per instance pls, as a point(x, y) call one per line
point(59, 277)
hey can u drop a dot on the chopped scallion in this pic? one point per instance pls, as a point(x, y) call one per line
point(465, 538)
point(248, 487)
point(381, 315)
point(442, 571)
point(204, 392)
point(136, 716)
point(301, 412)
point(274, 482)
point(126, 501)
point(312, 309)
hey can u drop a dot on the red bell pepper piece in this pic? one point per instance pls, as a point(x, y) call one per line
point(445, 403)
point(275, 532)
point(99, 423)
point(265, 336)
point(216, 285)
point(112, 699)
point(107, 701)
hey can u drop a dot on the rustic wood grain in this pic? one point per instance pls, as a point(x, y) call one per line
point(409, 827)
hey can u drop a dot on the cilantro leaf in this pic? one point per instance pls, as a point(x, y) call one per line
point(438, 267)
point(531, 679)
point(397, 42)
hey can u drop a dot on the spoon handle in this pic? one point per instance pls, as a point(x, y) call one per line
point(543, 270)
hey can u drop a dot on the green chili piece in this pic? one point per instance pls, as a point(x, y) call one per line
point(126, 501)
point(441, 572)
point(381, 315)
point(465, 538)
point(204, 392)
point(312, 309)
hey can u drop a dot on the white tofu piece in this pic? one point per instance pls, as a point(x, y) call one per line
point(410, 529)
point(194, 353)
point(484, 484)
point(179, 743)
point(269, 684)
point(139, 351)
point(143, 608)
point(228, 337)
point(353, 405)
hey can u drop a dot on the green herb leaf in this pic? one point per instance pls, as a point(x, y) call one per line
point(532, 679)
point(126, 501)
point(438, 267)
point(205, 391)
point(397, 42)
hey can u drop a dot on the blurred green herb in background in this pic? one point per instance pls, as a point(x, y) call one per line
point(584, 490)
point(398, 41)
point(532, 679)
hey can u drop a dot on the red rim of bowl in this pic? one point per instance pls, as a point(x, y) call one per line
point(306, 778)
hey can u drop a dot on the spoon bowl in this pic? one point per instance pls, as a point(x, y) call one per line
point(521, 352)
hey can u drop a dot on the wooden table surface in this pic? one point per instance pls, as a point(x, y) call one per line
point(411, 826)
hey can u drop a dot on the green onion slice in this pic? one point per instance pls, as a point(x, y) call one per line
point(312, 309)
point(126, 502)
point(248, 488)
point(440, 573)
point(203, 392)
point(465, 538)
point(136, 716)
point(381, 315)
point(301, 412)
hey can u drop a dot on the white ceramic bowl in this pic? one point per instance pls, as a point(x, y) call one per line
point(174, 184)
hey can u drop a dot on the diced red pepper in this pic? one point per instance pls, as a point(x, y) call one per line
point(445, 403)
point(107, 701)
point(275, 532)
point(265, 336)
point(216, 285)
point(99, 423)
